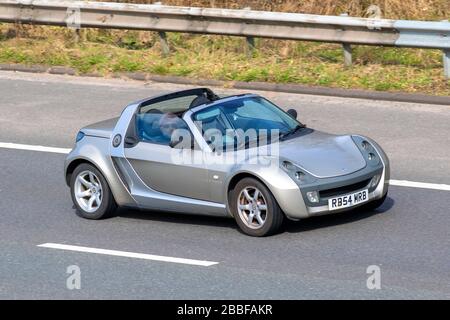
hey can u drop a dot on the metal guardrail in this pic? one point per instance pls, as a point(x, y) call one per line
point(246, 23)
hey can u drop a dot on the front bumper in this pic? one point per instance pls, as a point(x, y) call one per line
point(343, 185)
point(296, 206)
point(375, 194)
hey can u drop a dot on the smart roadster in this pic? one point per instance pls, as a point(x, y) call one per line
point(238, 156)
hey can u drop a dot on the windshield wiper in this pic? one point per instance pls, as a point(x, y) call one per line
point(291, 132)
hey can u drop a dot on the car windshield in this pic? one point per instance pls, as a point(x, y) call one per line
point(251, 116)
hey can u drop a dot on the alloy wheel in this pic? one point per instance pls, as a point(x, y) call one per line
point(252, 207)
point(88, 191)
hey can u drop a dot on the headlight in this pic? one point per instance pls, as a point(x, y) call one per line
point(288, 166)
point(313, 196)
point(375, 180)
point(299, 175)
point(365, 145)
point(367, 150)
point(296, 173)
point(80, 135)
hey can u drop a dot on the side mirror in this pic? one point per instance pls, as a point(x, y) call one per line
point(130, 141)
point(292, 113)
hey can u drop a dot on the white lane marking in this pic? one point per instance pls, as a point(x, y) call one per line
point(421, 185)
point(7, 145)
point(202, 263)
point(400, 183)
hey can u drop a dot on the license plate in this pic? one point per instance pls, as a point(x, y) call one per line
point(348, 200)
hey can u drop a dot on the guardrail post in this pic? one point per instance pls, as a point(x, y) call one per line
point(165, 50)
point(347, 54)
point(446, 57)
point(73, 21)
point(250, 42)
point(250, 46)
point(347, 48)
point(164, 44)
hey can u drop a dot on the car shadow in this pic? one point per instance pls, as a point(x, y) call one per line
point(176, 217)
point(289, 226)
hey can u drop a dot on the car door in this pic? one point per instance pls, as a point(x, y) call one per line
point(164, 168)
point(160, 168)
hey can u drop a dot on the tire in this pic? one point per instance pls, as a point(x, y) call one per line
point(243, 208)
point(94, 185)
point(375, 204)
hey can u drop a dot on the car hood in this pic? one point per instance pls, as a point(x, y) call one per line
point(323, 155)
point(101, 129)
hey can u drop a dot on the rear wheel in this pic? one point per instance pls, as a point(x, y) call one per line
point(255, 209)
point(90, 193)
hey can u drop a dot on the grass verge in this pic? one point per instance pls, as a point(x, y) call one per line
point(225, 58)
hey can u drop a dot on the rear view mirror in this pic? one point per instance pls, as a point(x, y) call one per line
point(292, 113)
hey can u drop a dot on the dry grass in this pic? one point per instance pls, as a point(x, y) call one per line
point(393, 9)
point(219, 57)
point(215, 57)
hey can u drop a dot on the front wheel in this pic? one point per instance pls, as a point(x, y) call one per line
point(255, 209)
point(90, 193)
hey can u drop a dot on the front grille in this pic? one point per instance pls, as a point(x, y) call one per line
point(344, 189)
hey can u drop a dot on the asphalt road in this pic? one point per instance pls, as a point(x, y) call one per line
point(323, 257)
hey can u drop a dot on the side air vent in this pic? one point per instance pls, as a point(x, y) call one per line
point(119, 172)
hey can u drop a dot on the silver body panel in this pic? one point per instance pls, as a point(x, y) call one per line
point(324, 155)
point(143, 176)
point(101, 129)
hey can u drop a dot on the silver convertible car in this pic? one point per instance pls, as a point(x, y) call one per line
point(239, 156)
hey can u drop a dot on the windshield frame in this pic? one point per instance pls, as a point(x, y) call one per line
point(220, 105)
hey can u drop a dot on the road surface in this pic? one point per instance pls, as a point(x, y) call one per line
point(408, 238)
